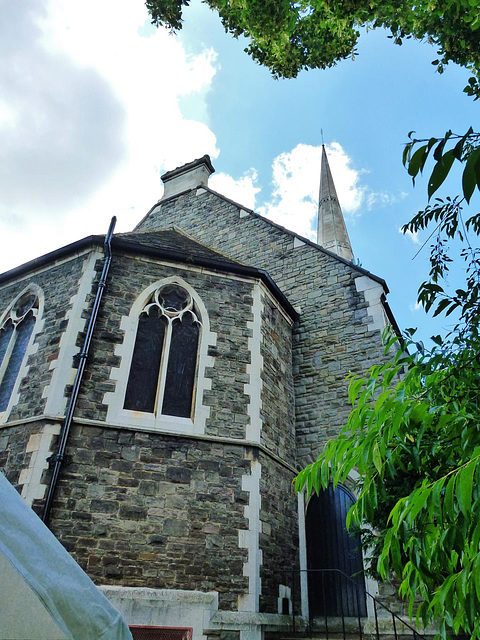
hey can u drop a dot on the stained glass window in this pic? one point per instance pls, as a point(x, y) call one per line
point(145, 368)
point(164, 361)
point(15, 335)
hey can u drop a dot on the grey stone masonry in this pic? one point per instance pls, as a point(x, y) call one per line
point(14, 457)
point(333, 336)
point(279, 536)
point(228, 302)
point(58, 284)
point(150, 510)
point(278, 403)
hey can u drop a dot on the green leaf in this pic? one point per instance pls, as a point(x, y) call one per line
point(464, 487)
point(471, 174)
point(377, 458)
point(417, 162)
point(448, 501)
point(440, 172)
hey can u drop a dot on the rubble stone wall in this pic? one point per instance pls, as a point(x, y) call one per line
point(334, 335)
point(150, 510)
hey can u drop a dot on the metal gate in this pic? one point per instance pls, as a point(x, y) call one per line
point(331, 546)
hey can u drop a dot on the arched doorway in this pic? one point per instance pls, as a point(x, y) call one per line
point(331, 546)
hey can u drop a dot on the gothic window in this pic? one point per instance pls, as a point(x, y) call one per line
point(164, 361)
point(15, 332)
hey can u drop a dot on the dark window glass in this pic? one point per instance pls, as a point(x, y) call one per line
point(178, 395)
point(173, 298)
point(143, 379)
point(22, 336)
point(25, 303)
point(5, 335)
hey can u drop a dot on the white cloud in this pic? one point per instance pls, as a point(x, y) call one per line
point(296, 178)
point(413, 235)
point(242, 190)
point(383, 199)
point(416, 306)
point(99, 108)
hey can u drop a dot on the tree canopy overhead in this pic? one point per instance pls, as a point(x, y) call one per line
point(288, 36)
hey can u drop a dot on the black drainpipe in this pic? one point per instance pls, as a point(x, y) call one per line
point(59, 456)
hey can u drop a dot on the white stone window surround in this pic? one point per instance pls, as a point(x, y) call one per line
point(160, 422)
point(32, 348)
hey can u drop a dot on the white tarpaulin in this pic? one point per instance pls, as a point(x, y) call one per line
point(44, 594)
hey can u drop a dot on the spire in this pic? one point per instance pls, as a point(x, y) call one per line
point(331, 231)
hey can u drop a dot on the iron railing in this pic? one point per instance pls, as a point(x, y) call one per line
point(337, 615)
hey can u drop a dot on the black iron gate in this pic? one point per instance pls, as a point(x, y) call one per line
point(331, 546)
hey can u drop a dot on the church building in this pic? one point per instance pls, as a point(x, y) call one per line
point(160, 390)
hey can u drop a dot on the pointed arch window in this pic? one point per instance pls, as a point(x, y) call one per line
point(15, 332)
point(164, 361)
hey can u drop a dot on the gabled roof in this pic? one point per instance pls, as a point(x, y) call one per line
point(241, 207)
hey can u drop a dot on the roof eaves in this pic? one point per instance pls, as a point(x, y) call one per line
point(52, 256)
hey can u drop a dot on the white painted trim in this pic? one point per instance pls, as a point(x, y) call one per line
point(39, 445)
point(302, 553)
point(372, 292)
point(254, 370)
point(63, 370)
point(116, 413)
point(250, 539)
point(284, 592)
point(298, 243)
point(32, 346)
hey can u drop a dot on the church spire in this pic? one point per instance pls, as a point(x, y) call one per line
point(331, 231)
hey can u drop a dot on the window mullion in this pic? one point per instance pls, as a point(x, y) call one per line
point(163, 368)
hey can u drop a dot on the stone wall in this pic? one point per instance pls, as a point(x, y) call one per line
point(333, 336)
point(59, 283)
point(279, 536)
point(14, 456)
point(152, 510)
point(228, 304)
point(278, 402)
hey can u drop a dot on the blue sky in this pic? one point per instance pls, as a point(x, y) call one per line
point(95, 104)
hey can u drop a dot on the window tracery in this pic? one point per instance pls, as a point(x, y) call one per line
point(164, 361)
point(15, 332)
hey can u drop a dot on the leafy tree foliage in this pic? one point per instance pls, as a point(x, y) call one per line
point(448, 216)
point(289, 36)
point(414, 438)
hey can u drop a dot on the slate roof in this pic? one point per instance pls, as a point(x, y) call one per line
point(172, 241)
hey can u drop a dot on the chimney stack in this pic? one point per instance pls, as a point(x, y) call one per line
point(189, 176)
